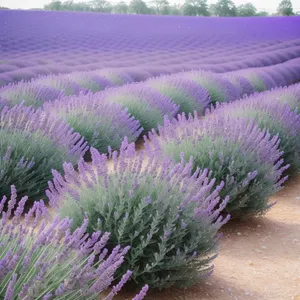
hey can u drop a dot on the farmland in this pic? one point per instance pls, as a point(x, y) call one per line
point(130, 143)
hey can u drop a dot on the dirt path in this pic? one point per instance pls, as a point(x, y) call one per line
point(259, 259)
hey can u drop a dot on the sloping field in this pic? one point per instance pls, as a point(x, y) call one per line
point(129, 144)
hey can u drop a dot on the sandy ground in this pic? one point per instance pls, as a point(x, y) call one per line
point(259, 259)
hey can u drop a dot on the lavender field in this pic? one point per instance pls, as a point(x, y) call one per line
point(128, 142)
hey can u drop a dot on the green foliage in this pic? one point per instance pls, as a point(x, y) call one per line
point(101, 6)
point(161, 7)
point(120, 8)
point(138, 7)
point(246, 10)
point(196, 8)
point(225, 8)
point(262, 13)
point(285, 8)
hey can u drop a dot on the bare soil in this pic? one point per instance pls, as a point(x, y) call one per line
point(259, 258)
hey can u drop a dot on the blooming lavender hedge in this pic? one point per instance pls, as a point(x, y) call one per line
point(146, 105)
point(278, 118)
point(223, 87)
point(236, 151)
point(44, 260)
point(74, 42)
point(101, 123)
point(220, 89)
point(32, 143)
point(168, 216)
point(185, 93)
point(266, 78)
point(289, 95)
point(29, 94)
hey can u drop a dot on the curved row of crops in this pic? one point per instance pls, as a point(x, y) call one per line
point(94, 115)
point(28, 50)
point(36, 141)
point(167, 207)
point(230, 63)
point(48, 88)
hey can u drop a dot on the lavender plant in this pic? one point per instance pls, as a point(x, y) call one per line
point(89, 81)
point(145, 104)
point(220, 89)
point(32, 143)
point(243, 85)
point(42, 259)
point(28, 93)
point(260, 80)
point(66, 86)
point(185, 93)
point(236, 151)
point(101, 123)
point(289, 95)
point(116, 77)
point(168, 216)
point(277, 118)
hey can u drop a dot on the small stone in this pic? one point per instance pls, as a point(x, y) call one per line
point(258, 226)
point(297, 198)
point(247, 293)
point(250, 263)
point(259, 251)
point(208, 283)
point(238, 233)
point(263, 247)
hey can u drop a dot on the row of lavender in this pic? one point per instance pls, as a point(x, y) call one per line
point(70, 42)
point(102, 120)
point(167, 207)
point(50, 88)
point(153, 66)
point(90, 72)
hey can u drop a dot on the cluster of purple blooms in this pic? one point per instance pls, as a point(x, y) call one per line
point(42, 259)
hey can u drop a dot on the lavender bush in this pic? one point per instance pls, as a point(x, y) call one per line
point(89, 81)
point(236, 151)
point(220, 89)
point(260, 80)
point(146, 105)
point(168, 216)
point(32, 143)
point(185, 93)
point(29, 94)
point(277, 118)
point(289, 95)
point(101, 123)
point(44, 260)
